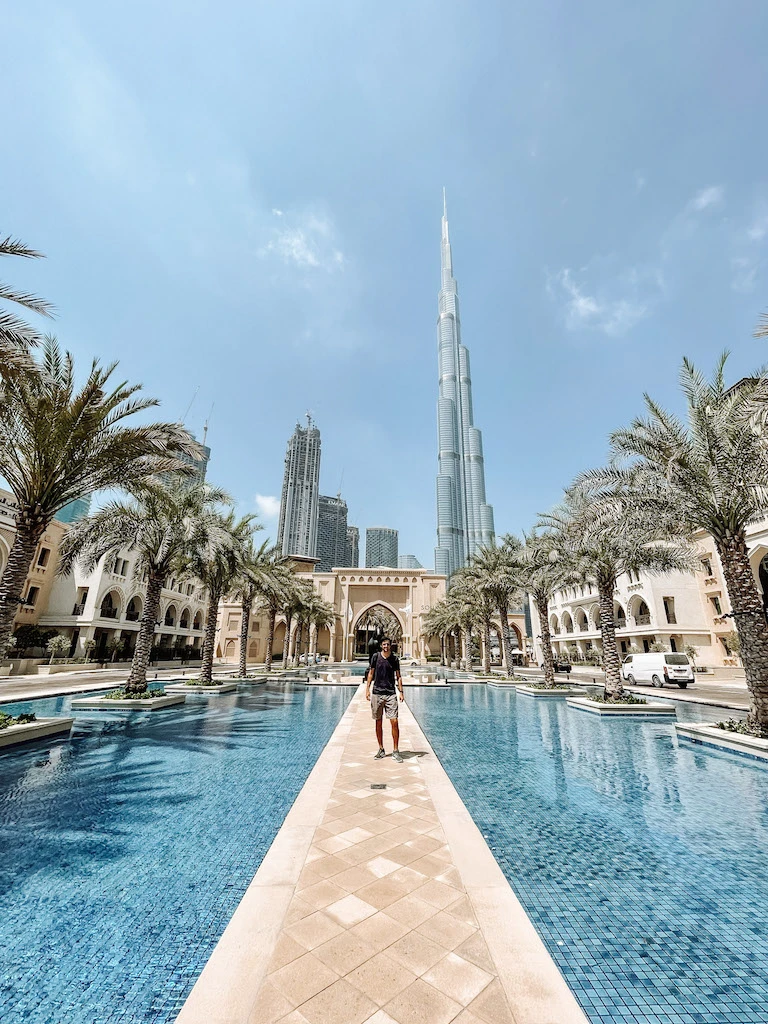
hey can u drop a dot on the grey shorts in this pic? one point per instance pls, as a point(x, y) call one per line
point(384, 703)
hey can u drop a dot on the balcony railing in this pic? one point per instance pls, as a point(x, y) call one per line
point(78, 609)
point(643, 620)
point(620, 623)
point(109, 613)
point(132, 616)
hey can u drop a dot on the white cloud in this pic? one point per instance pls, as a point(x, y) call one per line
point(306, 242)
point(758, 229)
point(613, 315)
point(706, 197)
point(640, 181)
point(268, 505)
point(276, 212)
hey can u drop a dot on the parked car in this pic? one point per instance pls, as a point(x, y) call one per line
point(561, 665)
point(657, 669)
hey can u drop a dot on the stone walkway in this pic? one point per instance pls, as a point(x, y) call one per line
point(380, 926)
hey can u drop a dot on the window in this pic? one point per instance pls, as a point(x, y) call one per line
point(669, 610)
point(120, 567)
point(42, 558)
point(707, 566)
point(716, 604)
point(32, 595)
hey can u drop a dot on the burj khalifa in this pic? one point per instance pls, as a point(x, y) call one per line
point(464, 518)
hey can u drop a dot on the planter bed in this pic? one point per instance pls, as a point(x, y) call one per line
point(615, 710)
point(735, 742)
point(540, 691)
point(37, 730)
point(197, 688)
point(127, 704)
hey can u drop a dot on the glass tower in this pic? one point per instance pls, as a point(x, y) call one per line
point(297, 529)
point(464, 518)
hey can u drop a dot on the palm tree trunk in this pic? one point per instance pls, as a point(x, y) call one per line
point(287, 640)
point(506, 638)
point(15, 576)
point(487, 646)
point(467, 643)
point(542, 607)
point(749, 619)
point(209, 640)
point(611, 659)
point(270, 640)
point(244, 624)
point(137, 680)
point(297, 642)
point(442, 650)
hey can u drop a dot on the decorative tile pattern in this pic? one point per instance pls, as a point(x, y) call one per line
point(641, 861)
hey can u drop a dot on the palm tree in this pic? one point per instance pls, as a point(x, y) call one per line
point(542, 572)
point(469, 608)
point(321, 616)
point(293, 604)
point(259, 576)
point(58, 442)
point(711, 472)
point(496, 571)
point(216, 563)
point(161, 523)
point(598, 535)
point(274, 600)
point(16, 335)
point(437, 622)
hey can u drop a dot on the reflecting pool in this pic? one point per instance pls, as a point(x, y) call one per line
point(126, 850)
point(643, 862)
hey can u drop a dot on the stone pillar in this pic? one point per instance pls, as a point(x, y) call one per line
point(313, 640)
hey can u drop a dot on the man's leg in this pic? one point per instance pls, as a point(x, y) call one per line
point(377, 708)
point(380, 733)
point(395, 734)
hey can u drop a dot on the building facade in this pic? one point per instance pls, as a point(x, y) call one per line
point(380, 547)
point(297, 530)
point(408, 562)
point(331, 533)
point(464, 518)
point(353, 547)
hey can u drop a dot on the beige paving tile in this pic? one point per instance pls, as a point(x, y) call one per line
point(322, 893)
point(446, 930)
point(381, 978)
point(380, 1018)
point(314, 930)
point(297, 909)
point(450, 876)
point(458, 978)
point(462, 910)
point(329, 865)
point(420, 1003)
point(384, 891)
point(354, 878)
point(411, 911)
point(437, 893)
point(300, 980)
point(344, 952)
point(465, 1017)
point(332, 844)
point(286, 950)
point(416, 952)
point(475, 949)
point(380, 930)
point(340, 1003)
point(381, 866)
point(294, 1017)
point(350, 910)
point(404, 854)
point(356, 834)
point(270, 1005)
point(491, 1005)
point(429, 865)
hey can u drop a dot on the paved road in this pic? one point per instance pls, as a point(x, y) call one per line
point(705, 690)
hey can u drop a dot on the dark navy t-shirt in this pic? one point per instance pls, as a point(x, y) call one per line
point(384, 673)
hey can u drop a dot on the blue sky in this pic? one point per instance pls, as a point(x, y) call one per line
point(245, 198)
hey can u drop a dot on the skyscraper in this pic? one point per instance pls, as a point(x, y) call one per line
point(380, 547)
point(75, 510)
point(331, 533)
point(408, 562)
point(464, 518)
point(297, 530)
point(353, 547)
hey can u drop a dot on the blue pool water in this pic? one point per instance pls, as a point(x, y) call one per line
point(642, 862)
point(125, 851)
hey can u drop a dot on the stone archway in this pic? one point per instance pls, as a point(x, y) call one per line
point(376, 620)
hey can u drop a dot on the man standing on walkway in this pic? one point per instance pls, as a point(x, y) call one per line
point(384, 671)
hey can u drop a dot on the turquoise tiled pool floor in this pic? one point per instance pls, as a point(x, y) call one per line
point(126, 850)
point(643, 863)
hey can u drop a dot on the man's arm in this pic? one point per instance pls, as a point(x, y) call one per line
point(399, 679)
point(368, 681)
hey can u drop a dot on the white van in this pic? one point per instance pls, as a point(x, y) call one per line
point(657, 669)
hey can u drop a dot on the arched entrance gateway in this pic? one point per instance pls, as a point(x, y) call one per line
point(372, 624)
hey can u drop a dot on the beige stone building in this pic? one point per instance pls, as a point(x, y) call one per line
point(40, 579)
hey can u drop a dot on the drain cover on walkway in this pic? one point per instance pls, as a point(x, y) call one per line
point(378, 785)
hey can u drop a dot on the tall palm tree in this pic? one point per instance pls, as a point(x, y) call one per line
point(161, 522)
point(59, 441)
point(321, 616)
point(711, 472)
point(216, 563)
point(259, 576)
point(496, 571)
point(437, 622)
point(274, 599)
point(293, 604)
point(16, 335)
point(468, 608)
point(542, 573)
point(601, 533)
